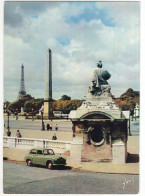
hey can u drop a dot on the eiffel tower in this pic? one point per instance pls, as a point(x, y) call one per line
point(22, 92)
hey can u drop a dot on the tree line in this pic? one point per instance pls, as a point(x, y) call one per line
point(126, 101)
point(32, 105)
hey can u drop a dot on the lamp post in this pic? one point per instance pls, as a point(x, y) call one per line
point(43, 126)
point(8, 113)
point(32, 115)
point(129, 125)
point(67, 113)
point(17, 114)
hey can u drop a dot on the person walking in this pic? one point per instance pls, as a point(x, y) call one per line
point(54, 137)
point(18, 134)
point(48, 126)
point(8, 133)
point(56, 127)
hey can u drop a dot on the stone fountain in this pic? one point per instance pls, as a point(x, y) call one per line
point(99, 127)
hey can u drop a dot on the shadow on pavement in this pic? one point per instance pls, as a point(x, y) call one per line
point(56, 167)
point(132, 158)
point(5, 158)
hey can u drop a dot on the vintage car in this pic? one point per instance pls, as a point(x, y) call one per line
point(45, 157)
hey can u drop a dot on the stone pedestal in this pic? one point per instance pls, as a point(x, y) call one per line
point(76, 149)
point(47, 114)
point(99, 127)
point(119, 151)
point(46, 108)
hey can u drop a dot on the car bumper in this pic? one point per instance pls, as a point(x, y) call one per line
point(59, 164)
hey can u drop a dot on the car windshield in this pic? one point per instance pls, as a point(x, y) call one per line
point(48, 152)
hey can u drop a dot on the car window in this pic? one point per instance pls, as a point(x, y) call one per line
point(33, 151)
point(50, 152)
point(39, 152)
point(45, 152)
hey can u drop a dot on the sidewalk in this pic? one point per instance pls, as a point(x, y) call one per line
point(128, 168)
point(131, 167)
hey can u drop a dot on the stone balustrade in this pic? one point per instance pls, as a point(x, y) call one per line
point(58, 146)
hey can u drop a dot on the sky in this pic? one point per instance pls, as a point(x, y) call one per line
point(79, 34)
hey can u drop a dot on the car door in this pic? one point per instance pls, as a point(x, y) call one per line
point(37, 157)
point(32, 155)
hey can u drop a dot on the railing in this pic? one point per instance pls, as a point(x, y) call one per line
point(28, 143)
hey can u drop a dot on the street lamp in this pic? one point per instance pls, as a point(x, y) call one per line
point(43, 126)
point(129, 125)
point(8, 113)
point(32, 115)
point(17, 114)
point(67, 113)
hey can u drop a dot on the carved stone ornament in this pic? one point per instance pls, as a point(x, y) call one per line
point(92, 134)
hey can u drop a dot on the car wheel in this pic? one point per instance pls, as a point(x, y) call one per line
point(29, 163)
point(49, 165)
point(62, 167)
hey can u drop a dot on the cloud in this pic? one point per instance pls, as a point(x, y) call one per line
point(12, 17)
point(79, 34)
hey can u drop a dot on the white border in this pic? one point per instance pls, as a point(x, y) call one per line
point(142, 90)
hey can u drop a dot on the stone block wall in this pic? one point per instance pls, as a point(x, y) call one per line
point(110, 149)
point(96, 153)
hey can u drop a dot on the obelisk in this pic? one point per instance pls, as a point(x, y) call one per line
point(48, 113)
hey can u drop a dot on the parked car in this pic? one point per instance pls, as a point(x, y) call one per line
point(45, 157)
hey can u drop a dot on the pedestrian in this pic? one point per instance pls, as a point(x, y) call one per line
point(54, 137)
point(18, 134)
point(56, 127)
point(48, 127)
point(8, 133)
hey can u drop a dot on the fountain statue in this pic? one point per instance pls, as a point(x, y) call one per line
point(99, 85)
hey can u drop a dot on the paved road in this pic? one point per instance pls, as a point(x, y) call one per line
point(63, 125)
point(21, 179)
point(37, 124)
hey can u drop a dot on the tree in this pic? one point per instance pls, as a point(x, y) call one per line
point(30, 104)
point(65, 97)
point(33, 106)
point(66, 105)
point(128, 100)
point(15, 107)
